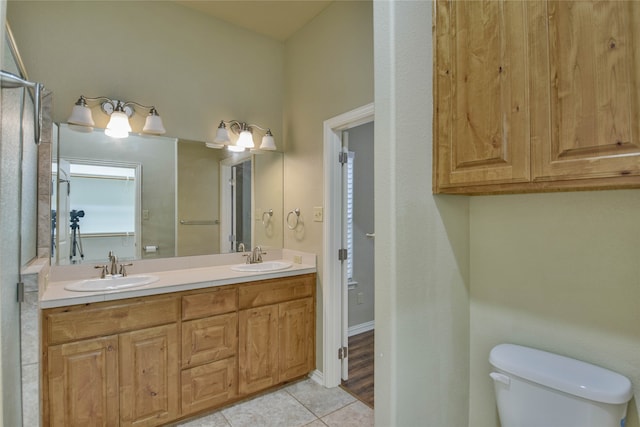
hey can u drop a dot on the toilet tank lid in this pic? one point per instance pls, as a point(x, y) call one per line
point(562, 373)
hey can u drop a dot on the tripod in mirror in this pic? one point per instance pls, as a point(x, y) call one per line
point(76, 238)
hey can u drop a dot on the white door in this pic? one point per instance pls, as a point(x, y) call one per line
point(335, 288)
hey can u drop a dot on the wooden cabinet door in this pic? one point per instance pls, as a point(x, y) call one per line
point(149, 384)
point(585, 69)
point(296, 339)
point(258, 349)
point(481, 128)
point(83, 383)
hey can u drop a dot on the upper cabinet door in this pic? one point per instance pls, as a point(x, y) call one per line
point(585, 67)
point(481, 132)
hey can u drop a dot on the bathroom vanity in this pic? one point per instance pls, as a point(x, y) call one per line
point(150, 356)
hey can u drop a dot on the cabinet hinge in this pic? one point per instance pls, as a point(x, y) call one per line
point(20, 293)
point(343, 353)
point(343, 157)
point(342, 254)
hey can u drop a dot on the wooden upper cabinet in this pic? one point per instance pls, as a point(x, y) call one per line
point(584, 86)
point(536, 96)
point(482, 124)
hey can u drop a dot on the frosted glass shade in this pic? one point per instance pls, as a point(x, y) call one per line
point(81, 115)
point(222, 136)
point(245, 140)
point(118, 126)
point(153, 125)
point(268, 143)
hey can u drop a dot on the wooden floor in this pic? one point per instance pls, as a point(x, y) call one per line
point(360, 382)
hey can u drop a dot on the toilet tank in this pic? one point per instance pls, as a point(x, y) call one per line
point(535, 388)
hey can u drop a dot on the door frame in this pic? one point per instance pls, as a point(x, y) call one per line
point(332, 238)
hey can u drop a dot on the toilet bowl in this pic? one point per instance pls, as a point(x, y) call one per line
point(535, 388)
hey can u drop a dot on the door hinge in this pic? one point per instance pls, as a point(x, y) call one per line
point(343, 353)
point(20, 293)
point(343, 157)
point(342, 254)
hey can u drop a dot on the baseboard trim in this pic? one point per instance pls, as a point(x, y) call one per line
point(361, 328)
point(317, 376)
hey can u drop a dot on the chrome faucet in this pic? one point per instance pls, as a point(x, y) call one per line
point(113, 263)
point(257, 254)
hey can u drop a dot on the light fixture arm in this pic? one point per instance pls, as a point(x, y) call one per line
point(115, 105)
point(238, 126)
point(151, 108)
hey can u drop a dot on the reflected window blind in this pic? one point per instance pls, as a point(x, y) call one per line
point(351, 157)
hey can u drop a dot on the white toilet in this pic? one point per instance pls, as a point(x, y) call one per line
point(535, 388)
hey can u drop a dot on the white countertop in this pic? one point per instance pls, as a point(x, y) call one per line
point(55, 294)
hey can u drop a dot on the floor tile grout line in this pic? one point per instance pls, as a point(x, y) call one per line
point(303, 405)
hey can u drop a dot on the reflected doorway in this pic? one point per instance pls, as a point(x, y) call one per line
point(236, 203)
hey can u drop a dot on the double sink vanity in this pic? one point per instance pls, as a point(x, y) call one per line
point(173, 338)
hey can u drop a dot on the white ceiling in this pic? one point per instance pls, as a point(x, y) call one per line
point(275, 19)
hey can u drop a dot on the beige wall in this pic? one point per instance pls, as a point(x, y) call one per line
point(422, 241)
point(195, 69)
point(558, 272)
point(328, 71)
point(268, 170)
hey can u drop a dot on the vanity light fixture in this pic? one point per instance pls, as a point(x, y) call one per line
point(245, 137)
point(120, 112)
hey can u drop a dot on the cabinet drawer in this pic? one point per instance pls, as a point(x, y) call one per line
point(207, 386)
point(209, 339)
point(276, 290)
point(204, 304)
point(79, 322)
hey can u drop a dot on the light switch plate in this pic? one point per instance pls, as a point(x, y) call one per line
point(317, 214)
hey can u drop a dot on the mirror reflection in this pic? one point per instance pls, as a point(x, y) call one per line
point(156, 197)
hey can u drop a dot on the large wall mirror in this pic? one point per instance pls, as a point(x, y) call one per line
point(156, 197)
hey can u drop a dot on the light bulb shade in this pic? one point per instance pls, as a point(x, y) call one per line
point(245, 140)
point(118, 126)
point(268, 142)
point(81, 115)
point(222, 136)
point(153, 124)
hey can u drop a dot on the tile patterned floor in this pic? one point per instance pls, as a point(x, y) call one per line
point(304, 403)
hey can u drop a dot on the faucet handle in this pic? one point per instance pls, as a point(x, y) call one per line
point(103, 273)
point(248, 258)
point(123, 270)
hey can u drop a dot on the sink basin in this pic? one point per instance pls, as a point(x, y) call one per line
point(110, 283)
point(262, 267)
